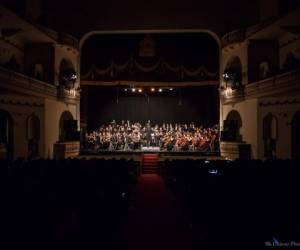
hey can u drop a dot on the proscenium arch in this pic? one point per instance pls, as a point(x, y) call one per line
point(87, 35)
point(208, 32)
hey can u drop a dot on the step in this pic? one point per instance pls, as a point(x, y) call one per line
point(150, 171)
point(150, 163)
point(151, 156)
point(150, 167)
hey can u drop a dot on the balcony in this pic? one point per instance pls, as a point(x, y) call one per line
point(60, 37)
point(279, 85)
point(231, 95)
point(65, 94)
point(236, 36)
point(13, 82)
point(68, 40)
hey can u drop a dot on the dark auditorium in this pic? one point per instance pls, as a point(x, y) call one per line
point(150, 125)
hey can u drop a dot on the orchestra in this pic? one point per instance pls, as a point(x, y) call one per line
point(128, 136)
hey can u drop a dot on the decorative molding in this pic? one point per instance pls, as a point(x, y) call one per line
point(277, 102)
point(181, 73)
point(148, 83)
point(21, 103)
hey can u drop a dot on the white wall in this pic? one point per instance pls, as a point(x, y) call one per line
point(20, 111)
point(284, 114)
point(53, 111)
point(249, 114)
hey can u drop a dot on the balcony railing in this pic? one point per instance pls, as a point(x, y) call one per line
point(67, 39)
point(63, 93)
point(281, 84)
point(16, 82)
point(285, 83)
point(233, 37)
point(60, 37)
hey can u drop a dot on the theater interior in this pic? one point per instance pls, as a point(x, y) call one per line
point(150, 125)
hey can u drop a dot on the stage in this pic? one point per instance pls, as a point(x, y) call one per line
point(137, 155)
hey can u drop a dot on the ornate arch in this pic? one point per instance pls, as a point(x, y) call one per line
point(234, 124)
point(232, 73)
point(87, 35)
point(65, 116)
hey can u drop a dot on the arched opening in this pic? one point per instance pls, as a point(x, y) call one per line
point(33, 135)
point(6, 135)
point(65, 123)
point(296, 136)
point(182, 64)
point(232, 126)
point(232, 74)
point(264, 70)
point(67, 74)
point(270, 135)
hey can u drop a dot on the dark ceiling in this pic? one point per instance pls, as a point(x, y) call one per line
point(79, 17)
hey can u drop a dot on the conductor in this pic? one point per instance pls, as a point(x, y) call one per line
point(148, 134)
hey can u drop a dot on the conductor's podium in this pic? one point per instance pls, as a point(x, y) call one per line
point(63, 150)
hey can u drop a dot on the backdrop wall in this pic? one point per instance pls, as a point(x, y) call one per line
point(193, 104)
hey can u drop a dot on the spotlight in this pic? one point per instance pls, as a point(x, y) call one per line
point(170, 89)
point(125, 90)
point(133, 89)
point(140, 90)
point(160, 90)
point(152, 89)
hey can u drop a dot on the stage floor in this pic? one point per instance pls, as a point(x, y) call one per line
point(137, 155)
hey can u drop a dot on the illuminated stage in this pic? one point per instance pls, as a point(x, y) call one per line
point(137, 155)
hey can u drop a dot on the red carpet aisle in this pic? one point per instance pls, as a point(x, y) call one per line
point(155, 221)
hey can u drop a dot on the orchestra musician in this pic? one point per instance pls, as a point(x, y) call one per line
point(177, 137)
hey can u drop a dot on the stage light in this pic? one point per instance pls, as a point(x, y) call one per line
point(133, 89)
point(140, 90)
point(152, 89)
point(125, 90)
point(171, 89)
point(160, 90)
